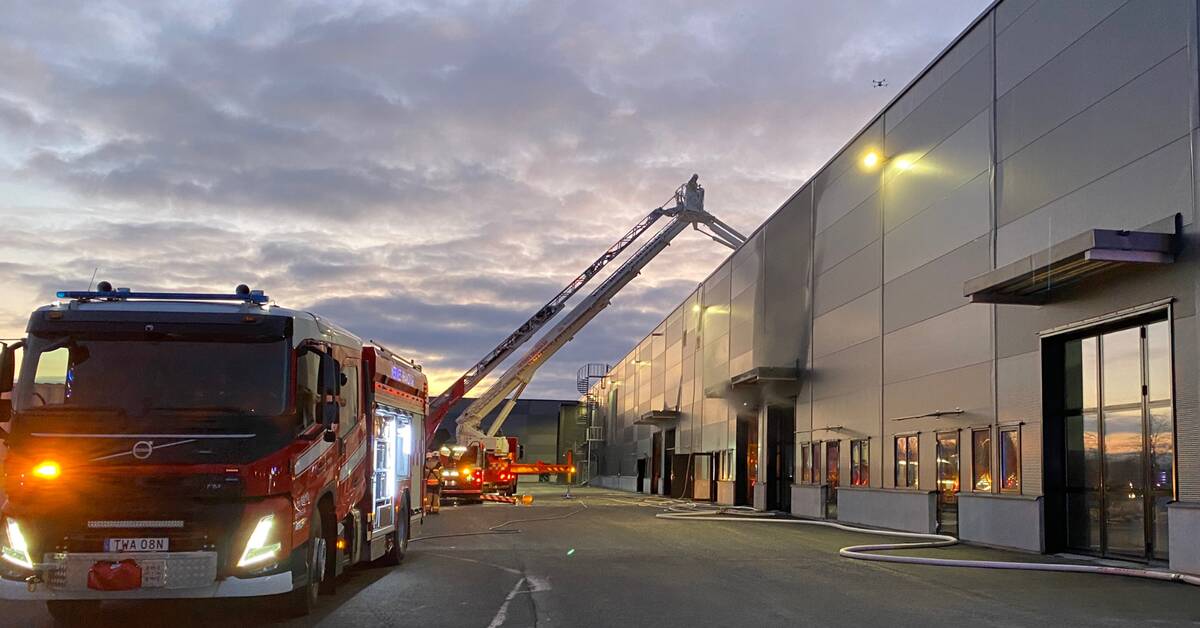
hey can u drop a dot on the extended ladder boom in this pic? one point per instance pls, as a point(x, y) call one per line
point(688, 210)
point(439, 406)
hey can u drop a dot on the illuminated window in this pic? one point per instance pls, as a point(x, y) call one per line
point(805, 464)
point(907, 461)
point(860, 463)
point(815, 460)
point(1010, 460)
point(981, 459)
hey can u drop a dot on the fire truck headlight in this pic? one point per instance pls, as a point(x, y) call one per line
point(257, 549)
point(47, 470)
point(15, 549)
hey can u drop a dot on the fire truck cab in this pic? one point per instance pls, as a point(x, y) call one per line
point(168, 445)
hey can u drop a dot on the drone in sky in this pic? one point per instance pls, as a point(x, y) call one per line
point(879, 83)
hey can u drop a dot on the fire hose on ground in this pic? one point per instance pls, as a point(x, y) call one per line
point(685, 511)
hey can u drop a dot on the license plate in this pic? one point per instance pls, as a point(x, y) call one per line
point(157, 544)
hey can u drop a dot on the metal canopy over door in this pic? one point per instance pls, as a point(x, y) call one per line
point(1119, 441)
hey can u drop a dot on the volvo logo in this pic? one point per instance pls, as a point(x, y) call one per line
point(142, 449)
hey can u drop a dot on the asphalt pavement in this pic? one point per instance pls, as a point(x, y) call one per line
point(603, 559)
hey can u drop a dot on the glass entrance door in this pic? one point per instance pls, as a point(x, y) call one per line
point(1119, 441)
point(832, 460)
point(947, 482)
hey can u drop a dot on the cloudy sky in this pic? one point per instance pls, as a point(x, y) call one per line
point(426, 174)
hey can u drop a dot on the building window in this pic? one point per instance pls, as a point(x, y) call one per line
point(981, 459)
point(1010, 460)
point(805, 465)
point(860, 463)
point(907, 461)
point(815, 460)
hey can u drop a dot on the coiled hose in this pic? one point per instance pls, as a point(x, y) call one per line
point(686, 512)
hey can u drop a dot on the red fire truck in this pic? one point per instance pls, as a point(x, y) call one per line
point(167, 445)
point(468, 473)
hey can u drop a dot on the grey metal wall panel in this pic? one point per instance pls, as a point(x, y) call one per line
point(1019, 388)
point(945, 69)
point(1041, 33)
point(1008, 11)
point(945, 168)
point(716, 362)
point(1031, 458)
point(847, 325)
point(969, 388)
point(742, 315)
point(955, 103)
point(934, 288)
point(848, 236)
point(1130, 41)
point(1154, 187)
point(715, 312)
point(856, 414)
point(850, 279)
point(960, 337)
point(852, 369)
point(845, 194)
point(960, 217)
point(1148, 113)
point(747, 264)
point(783, 335)
point(1187, 414)
point(848, 159)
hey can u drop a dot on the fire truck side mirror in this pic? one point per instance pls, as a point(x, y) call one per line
point(7, 366)
point(330, 386)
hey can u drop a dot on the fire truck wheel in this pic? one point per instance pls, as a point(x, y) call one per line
point(73, 612)
point(302, 601)
point(399, 539)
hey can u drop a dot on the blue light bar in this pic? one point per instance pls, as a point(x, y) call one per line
point(254, 296)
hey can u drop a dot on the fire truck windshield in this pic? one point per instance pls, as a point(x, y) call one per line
point(142, 377)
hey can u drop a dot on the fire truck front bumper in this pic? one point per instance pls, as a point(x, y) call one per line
point(167, 575)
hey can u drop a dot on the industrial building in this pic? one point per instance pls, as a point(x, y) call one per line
point(977, 317)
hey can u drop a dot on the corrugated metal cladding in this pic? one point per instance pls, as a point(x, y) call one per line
point(1045, 119)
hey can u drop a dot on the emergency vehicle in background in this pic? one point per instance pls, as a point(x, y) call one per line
point(168, 445)
point(468, 473)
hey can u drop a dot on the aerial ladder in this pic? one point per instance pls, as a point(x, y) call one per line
point(681, 212)
point(688, 209)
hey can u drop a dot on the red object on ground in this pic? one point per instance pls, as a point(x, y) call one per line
point(118, 576)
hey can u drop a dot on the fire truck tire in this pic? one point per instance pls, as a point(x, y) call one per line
point(328, 521)
point(73, 612)
point(399, 539)
point(302, 601)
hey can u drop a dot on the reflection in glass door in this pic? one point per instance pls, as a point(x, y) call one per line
point(1119, 441)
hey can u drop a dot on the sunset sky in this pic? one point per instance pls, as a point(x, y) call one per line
point(425, 174)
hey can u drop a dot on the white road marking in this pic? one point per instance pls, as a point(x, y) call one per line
point(502, 613)
point(536, 585)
